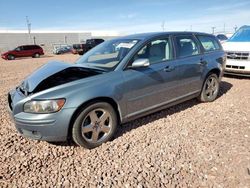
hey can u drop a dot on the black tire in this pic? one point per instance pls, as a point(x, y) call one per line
point(210, 88)
point(11, 57)
point(80, 53)
point(36, 55)
point(88, 134)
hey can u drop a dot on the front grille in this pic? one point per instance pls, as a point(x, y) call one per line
point(235, 67)
point(238, 55)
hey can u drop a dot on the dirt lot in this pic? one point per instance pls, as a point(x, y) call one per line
point(192, 144)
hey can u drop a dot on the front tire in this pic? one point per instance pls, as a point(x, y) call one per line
point(94, 125)
point(210, 88)
point(11, 57)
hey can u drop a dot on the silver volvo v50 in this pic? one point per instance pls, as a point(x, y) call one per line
point(115, 82)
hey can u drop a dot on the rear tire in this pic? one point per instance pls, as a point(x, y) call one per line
point(11, 57)
point(36, 55)
point(210, 88)
point(94, 125)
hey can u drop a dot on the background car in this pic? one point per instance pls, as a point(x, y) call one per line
point(90, 43)
point(24, 51)
point(77, 47)
point(222, 38)
point(238, 52)
point(63, 50)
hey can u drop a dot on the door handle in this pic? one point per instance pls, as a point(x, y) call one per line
point(169, 68)
point(202, 62)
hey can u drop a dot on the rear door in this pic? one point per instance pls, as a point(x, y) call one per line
point(27, 51)
point(153, 86)
point(191, 64)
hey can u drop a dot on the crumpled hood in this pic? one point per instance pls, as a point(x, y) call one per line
point(53, 74)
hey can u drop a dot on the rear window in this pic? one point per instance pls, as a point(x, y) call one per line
point(209, 43)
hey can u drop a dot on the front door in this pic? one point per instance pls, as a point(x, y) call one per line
point(19, 52)
point(155, 85)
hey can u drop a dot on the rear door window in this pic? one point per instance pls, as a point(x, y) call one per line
point(186, 46)
point(209, 43)
point(26, 47)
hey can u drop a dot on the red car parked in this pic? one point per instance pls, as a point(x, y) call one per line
point(23, 51)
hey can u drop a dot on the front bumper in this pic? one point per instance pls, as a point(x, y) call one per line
point(4, 56)
point(48, 127)
point(237, 67)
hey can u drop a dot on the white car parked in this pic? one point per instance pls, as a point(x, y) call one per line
point(238, 52)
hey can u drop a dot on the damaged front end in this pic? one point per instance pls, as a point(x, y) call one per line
point(43, 118)
point(63, 77)
point(54, 74)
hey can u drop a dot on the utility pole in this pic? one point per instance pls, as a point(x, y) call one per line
point(163, 26)
point(235, 28)
point(29, 27)
point(34, 40)
point(191, 28)
point(65, 39)
point(213, 29)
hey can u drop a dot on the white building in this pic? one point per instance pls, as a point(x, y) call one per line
point(11, 39)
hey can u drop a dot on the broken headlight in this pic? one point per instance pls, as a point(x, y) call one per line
point(43, 106)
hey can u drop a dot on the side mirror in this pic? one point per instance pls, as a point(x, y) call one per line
point(143, 62)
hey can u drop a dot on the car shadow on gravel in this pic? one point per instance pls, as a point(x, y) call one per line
point(124, 128)
point(237, 77)
point(224, 88)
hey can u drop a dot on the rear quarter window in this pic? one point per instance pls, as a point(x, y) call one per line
point(209, 43)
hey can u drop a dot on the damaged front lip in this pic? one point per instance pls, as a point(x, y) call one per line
point(54, 74)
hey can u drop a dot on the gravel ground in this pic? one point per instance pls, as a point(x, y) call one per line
point(190, 145)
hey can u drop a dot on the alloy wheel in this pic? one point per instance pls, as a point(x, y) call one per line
point(96, 125)
point(212, 87)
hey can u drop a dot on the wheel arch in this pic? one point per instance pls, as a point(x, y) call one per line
point(216, 71)
point(108, 100)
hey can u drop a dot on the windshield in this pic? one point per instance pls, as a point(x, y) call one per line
point(108, 54)
point(242, 35)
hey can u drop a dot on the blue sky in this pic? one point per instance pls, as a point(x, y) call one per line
point(124, 16)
